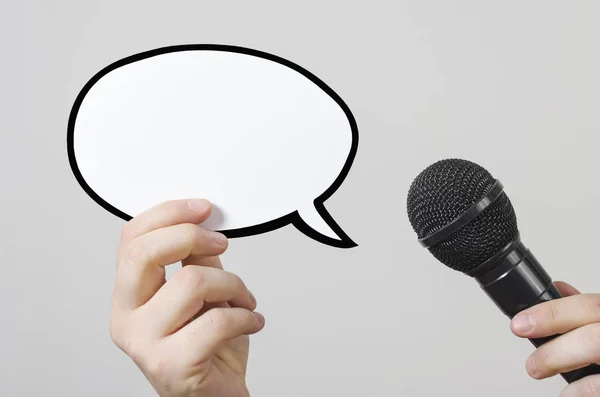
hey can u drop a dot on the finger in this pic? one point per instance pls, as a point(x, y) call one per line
point(585, 387)
point(208, 261)
point(204, 335)
point(557, 316)
point(566, 289)
point(576, 349)
point(206, 308)
point(166, 214)
point(185, 294)
point(140, 270)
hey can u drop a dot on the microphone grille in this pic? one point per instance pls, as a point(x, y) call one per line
point(443, 192)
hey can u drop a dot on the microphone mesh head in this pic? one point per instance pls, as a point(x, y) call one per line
point(443, 192)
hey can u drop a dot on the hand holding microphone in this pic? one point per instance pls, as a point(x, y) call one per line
point(576, 317)
point(463, 217)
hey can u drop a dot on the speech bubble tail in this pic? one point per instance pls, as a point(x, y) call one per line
point(318, 224)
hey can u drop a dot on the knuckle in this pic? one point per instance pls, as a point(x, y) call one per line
point(193, 277)
point(166, 207)
point(217, 319)
point(137, 349)
point(172, 208)
point(131, 253)
point(250, 318)
point(126, 232)
point(237, 280)
point(542, 361)
point(130, 338)
point(134, 254)
point(553, 311)
point(157, 367)
point(132, 347)
point(593, 306)
point(192, 233)
point(115, 334)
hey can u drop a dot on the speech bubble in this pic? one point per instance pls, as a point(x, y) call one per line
point(263, 139)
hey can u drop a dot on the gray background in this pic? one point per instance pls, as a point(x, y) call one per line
point(513, 85)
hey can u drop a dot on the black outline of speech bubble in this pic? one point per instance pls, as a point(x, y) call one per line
point(291, 218)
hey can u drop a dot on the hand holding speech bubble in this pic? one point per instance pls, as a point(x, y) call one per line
point(263, 139)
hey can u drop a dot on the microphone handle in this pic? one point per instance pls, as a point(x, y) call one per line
point(592, 369)
point(515, 281)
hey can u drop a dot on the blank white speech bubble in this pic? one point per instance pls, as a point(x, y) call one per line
point(262, 138)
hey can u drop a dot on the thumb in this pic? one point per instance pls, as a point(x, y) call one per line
point(566, 289)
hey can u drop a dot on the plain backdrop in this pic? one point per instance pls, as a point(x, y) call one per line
point(512, 85)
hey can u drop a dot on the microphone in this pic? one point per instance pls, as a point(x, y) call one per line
point(462, 215)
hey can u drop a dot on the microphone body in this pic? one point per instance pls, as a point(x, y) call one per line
point(515, 280)
point(462, 215)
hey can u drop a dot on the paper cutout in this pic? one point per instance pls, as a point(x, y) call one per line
point(263, 139)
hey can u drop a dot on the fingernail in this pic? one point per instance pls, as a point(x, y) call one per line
point(218, 238)
point(522, 323)
point(252, 298)
point(530, 366)
point(260, 318)
point(199, 205)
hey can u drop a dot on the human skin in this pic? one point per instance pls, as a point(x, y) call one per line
point(576, 317)
point(188, 335)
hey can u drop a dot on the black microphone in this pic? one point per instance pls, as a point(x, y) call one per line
point(462, 215)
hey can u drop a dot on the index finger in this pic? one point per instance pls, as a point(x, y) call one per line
point(557, 316)
point(168, 213)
